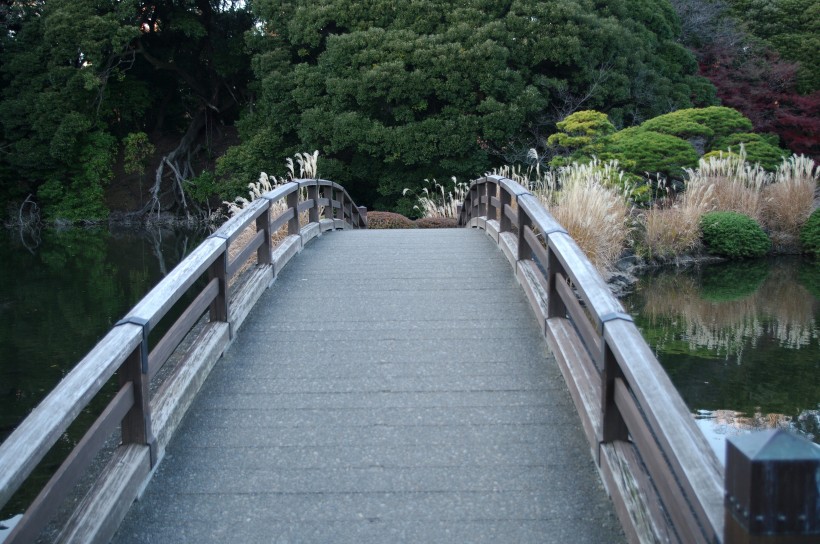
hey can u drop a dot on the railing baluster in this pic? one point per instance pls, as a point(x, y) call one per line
point(313, 193)
point(524, 249)
point(613, 424)
point(328, 193)
point(263, 253)
point(219, 270)
point(504, 223)
point(492, 191)
point(136, 425)
point(293, 205)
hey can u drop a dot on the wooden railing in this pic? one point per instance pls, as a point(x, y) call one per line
point(145, 421)
point(665, 481)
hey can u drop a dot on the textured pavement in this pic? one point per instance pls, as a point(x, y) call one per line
point(392, 386)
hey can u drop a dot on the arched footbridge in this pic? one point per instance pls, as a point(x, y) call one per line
point(460, 385)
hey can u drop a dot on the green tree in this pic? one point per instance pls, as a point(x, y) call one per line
point(792, 27)
point(580, 130)
point(79, 74)
point(396, 92)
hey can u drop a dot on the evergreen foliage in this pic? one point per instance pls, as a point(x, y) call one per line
point(733, 235)
point(647, 152)
point(78, 76)
point(792, 27)
point(394, 93)
point(810, 234)
point(759, 148)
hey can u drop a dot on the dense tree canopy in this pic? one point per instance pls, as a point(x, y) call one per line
point(792, 28)
point(396, 92)
point(79, 76)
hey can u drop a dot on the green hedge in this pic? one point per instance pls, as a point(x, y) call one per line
point(733, 235)
point(810, 234)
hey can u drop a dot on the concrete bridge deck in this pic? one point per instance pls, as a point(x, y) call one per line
point(392, 386)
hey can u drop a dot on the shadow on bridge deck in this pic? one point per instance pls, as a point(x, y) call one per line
point(390, 386)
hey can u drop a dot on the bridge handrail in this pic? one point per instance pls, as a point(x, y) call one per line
point(146, 422)
point(631, 412)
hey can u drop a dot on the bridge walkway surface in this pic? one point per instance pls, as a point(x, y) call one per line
point(391, 386)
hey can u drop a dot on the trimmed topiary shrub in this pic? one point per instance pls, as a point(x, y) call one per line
point(758, 149)
point(388, 220)
point(733, 235)
point(642, 151)
point(437, 223)
point(810, 234)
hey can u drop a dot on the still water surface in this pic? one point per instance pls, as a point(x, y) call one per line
point(740, 341)
point(59, 294)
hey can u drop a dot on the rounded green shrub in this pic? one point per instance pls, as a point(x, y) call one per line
point(644, 151)
point(733, 235)
point(810, 234)
point(711, 122)
point(388, 220)
point(758, 149)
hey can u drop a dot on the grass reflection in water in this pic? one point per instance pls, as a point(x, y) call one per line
point(740, 341)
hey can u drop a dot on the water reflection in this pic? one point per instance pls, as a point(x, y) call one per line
point(740, 341)
point(58, 298)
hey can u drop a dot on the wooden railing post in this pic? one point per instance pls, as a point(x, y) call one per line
point(524, 249)
point(772, 489)
point(613, 426)
point(219, 270)
point(504, 223)
point(263, 253)
point(555, 306)
point(136, 425)
point(293, 204)
point(482, 196)
point(313, 193)
point(328, 193)
point(475, 200)
point(362, 215)
point(492, 191)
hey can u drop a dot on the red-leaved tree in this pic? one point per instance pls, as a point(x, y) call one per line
point(756, 82)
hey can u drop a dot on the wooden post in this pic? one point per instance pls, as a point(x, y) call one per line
point(362, 216)
point(492, 191)
point(555, 306)
point(482, 195)
point(219, 270)
point(504, 223)
point(136, 425)
point(772, 489)
point(524, 249)
point(293, 204)
point(613, 424)
point(263, 253)
point(329, 208)
point(313, 193)
point(475, 200)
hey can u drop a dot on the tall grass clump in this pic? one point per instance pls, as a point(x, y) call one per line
point(584, 200)
point(436, 201)
point(737, 184)
point(673, 231)
point(789, 200)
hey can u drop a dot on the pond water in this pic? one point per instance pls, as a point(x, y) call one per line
point(740, 341)
point(59, 294)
